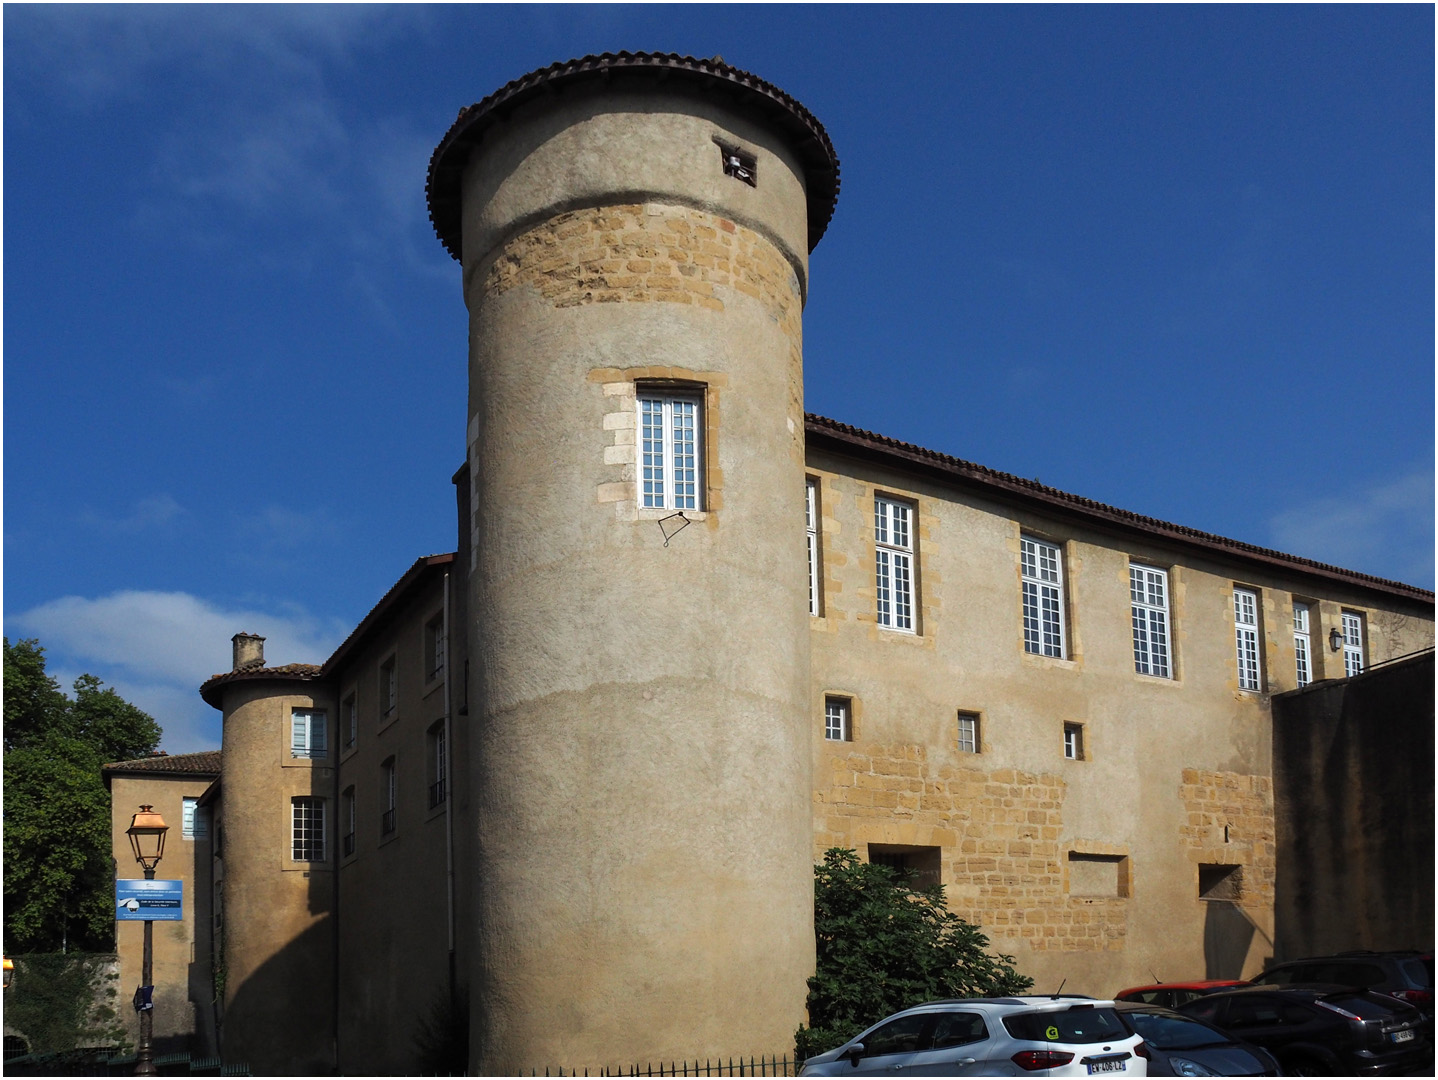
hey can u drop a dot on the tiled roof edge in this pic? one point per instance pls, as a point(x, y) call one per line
point(200, 763)
point(1033, 491)
point(209, 689)
point(807, 136)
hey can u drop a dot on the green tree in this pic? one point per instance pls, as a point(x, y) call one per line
point(884, 946)
point(58, 870)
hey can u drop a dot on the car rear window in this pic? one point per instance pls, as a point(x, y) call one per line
point(1174, 1033)
point(1368, 1006)
point(1419, 972)
point(1084, 1025)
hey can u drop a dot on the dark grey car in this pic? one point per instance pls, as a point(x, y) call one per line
point(1182, 1046)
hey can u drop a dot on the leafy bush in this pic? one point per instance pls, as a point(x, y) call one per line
point(884, 946)
point(61, 1001)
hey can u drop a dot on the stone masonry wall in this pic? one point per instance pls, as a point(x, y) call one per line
point(1230, 822)
point(1000, 831)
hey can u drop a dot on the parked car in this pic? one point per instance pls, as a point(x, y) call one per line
point(1323, 1031)
point(1404, 975)
point(1181, 1045)
point(1004, 1036)
point(1172, 995)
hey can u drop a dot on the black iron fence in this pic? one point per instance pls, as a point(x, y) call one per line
point(763, 1065)
point(99, 1061)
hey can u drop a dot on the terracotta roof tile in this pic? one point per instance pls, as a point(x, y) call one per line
point(906, 455)
point(297, 672)
point(206, 762)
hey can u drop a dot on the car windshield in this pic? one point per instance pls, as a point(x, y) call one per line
point(1173, 1032)
point(1081, 1025)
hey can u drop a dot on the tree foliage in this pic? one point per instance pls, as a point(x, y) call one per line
point(59, 876)
point(884, 946)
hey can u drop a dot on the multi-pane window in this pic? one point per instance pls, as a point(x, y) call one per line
point(894, 563)
point(1352, 643)
point(347, 808)
point(669, 448)
point(1302, 658)
point(1043, 597)
point(1245, 627)
point(389, 786)
point(1073, 742)
point(438, 764)
point(350, 711)
point(968, 733)
point(434, 648)
point(307, 829)
point(1148, 590)
point(193, 822)
point(836, 719)
point(811, 533)
point(307, 733)
point(388, 690)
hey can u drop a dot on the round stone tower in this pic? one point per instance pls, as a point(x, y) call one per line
point(634, 232)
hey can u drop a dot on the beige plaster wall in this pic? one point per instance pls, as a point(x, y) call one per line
point(276, 942)
point(183, 984)
point(641, 758)
point(1177, 772)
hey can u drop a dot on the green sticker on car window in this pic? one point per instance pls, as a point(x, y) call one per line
point(1051, 1033)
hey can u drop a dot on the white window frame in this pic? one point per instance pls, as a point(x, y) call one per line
point(1302, 643)
point(968, 732)
point(1246, 644)
point(670, 472)
point(811, 536)
point(193, 823)
point(1041, 567)
point(1352, 644)
point(1073, 742)
point(307, 829)
point(894, 564)
point(309, 734)
point(838, 719)
point(1149, 598)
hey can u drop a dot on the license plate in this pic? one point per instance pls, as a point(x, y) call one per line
point(1402, 1036)
point(1116, 1065)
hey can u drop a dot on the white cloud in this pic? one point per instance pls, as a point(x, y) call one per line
point(1385, 530)
point(151, 512)
point(156, 648)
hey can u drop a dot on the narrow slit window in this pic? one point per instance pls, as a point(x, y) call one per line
point(1148, 591)
point(894, 564)
point(1042, 565)
point(1245, 626)
point(811, 534)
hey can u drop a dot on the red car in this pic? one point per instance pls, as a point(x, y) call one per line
point(1172, 995)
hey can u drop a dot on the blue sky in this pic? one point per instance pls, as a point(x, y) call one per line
point(1180, 260)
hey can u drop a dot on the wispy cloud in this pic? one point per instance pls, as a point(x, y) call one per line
point(151, 512)
point(1386, 529)
point(156, 648)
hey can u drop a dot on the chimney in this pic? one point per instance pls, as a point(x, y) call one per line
point(249, 651)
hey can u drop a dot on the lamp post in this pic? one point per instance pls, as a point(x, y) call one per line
point(147, 840)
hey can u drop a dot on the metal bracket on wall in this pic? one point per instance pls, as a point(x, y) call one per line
point(669, 533)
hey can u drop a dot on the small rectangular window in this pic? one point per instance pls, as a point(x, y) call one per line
point(670, 451)
point(388, 691)
point(307, 830)
point(894, 564)
point(438, 764)
point(348, 809)
point(350, 712)
point(1148, 591)
point(836, 719)
point(389, 784)
point(1042, 571)
point(434, 648)
point(917, 867)
point(1245, 625)
point(1073, 742)
point(1302, 642)
point(1098, 876)
point(1220, 881)
point(968, 733)
point(1352, 643)
point(811, 534)
point(307, 733)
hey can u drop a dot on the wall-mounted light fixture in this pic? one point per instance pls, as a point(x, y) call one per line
point(1335, 639)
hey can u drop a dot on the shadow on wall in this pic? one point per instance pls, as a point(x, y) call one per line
point(280, 1021)
point(1227, 934)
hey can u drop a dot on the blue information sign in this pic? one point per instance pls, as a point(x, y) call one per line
point(155, 901)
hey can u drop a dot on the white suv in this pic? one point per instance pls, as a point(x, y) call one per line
point(1004, 1036)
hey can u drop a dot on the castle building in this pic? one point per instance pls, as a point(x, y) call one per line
point(563, 789)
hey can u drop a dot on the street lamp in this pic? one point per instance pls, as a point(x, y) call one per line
point(147, 840)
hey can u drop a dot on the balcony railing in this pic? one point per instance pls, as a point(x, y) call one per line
point(386, 823)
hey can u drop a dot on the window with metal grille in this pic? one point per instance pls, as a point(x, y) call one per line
point(670, 445)
point(1302, 662)
point(968, 733)
point(389, 780)
point(1245, 626)
point(1042, 567)
point(437, 764)
point(811, 535)
point(836, 719)
point(307, 733)
point(894, 564)
point(1352, 643)
point(307, 829)
point(1148, 590)
point(347, 808)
